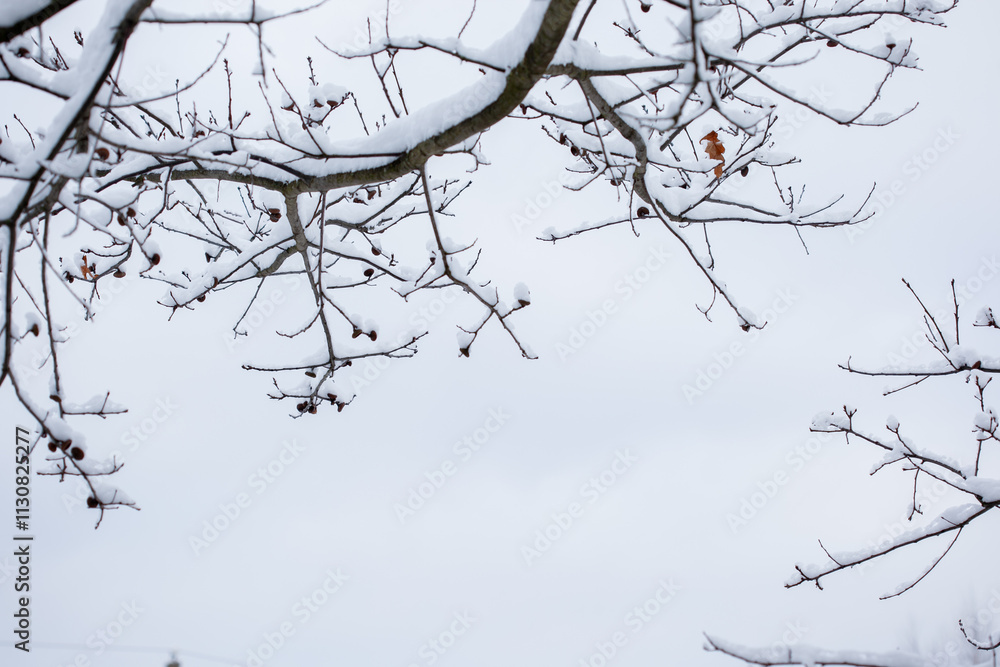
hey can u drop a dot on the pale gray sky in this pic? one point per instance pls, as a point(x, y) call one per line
point(669, 471)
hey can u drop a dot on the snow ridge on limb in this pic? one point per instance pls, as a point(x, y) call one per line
point(808, 656)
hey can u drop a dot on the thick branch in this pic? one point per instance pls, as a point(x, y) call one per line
point(8, 33)
point(520, 81)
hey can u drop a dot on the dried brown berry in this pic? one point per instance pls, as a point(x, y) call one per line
point(340, 407)
point(102, 153)
point(55, 397)
point(464, 351)
point(121, 220)
point(76, 453)
point(644, 7)
point(332, 397)
point(369, 273)
point(52, 447)
point(372, 335)
point(744, 172)
point(642, 212)
point(155, 259)
point(91, 502)
point(312, 409)
point(119, 274)
point(356, 333)
point(34, 329)
point(310, 374)
point(376, 251)
point(574, 151)
point(274, 214)
point(523, 302)
point(130, 212)
point(301, 407)
point(201, 298)
point(831, 43)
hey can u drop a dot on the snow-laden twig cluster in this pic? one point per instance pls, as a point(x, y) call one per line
point(963, 469)
point(206, 184)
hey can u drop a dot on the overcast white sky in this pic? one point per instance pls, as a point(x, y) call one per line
point(680, 468)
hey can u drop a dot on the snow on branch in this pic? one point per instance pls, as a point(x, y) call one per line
point(333, 180)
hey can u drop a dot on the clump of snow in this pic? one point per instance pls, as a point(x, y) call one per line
point(329, 94)
point(521, 293)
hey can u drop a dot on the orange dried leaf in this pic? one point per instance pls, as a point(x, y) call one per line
point(715, 149)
